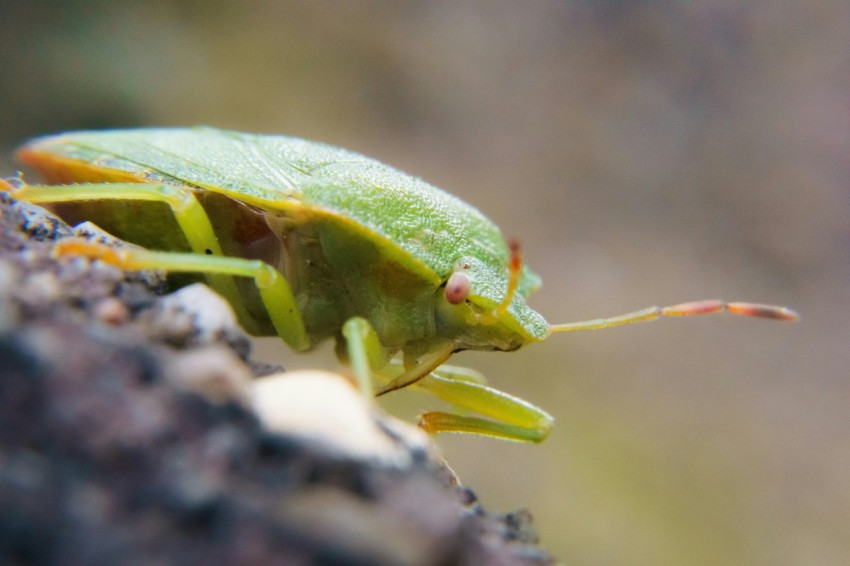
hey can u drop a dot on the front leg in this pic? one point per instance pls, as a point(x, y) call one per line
point(501, 415)
point(510, 418)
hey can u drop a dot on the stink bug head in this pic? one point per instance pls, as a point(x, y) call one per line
point(483, 307)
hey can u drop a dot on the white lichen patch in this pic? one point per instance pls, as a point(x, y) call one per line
point(326, 408)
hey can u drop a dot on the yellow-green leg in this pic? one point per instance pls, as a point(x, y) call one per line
point(365, 353)
point(509, 418)
point(458, 373)
point(185, 208)
point(368, 358)
point(188, 212)
point(274, 291)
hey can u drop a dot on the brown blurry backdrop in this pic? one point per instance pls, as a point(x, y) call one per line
point(642, 152)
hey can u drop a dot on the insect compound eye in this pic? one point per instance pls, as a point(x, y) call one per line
point(457, 288)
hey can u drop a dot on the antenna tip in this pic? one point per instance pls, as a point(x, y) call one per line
point(763, 311)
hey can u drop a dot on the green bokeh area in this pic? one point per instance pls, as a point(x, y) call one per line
point(641, 152)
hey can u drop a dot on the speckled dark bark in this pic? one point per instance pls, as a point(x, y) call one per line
point(105, 459)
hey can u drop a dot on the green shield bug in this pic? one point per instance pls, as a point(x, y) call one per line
point(310, 242)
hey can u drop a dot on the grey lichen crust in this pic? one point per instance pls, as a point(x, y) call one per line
point(131, 432)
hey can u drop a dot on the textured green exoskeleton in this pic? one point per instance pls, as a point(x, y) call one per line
point(310, 242)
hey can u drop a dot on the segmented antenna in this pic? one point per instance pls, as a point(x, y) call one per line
point(684, 309)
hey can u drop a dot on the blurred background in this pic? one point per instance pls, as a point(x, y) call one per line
point(642, 152)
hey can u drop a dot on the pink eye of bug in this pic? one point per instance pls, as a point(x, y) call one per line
point(457, 288)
